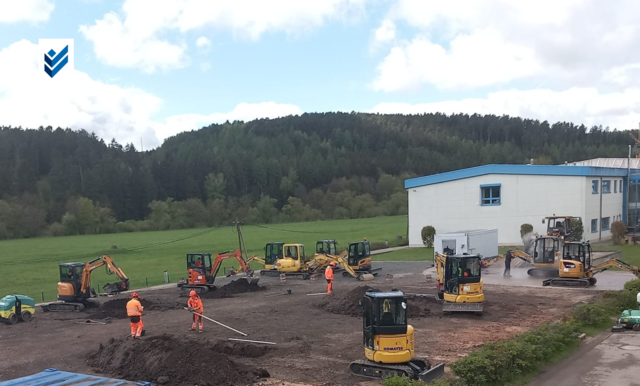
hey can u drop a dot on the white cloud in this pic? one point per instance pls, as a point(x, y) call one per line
point(468, 43)
point(386, 32)
point(133, 39)
point(205, 66)
point(586, 106)
point(25, 10)
point(203, 42)
point(110, 111)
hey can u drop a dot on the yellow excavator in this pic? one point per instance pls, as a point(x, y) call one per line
point(460, 283)
point(545, 257)
point(576, 269)
point(389, 340)
point(358, 255)
point(295, 263)
point(74, 289)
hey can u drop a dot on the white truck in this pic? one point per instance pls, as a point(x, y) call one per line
point(471, 242)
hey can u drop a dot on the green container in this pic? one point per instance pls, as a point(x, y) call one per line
point(9, 313)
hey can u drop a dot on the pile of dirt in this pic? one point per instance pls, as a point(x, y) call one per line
point(117, 308)
point(347, 304)
point(235, 287)
point(165, 360)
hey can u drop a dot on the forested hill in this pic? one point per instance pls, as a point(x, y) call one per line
point(333, 165)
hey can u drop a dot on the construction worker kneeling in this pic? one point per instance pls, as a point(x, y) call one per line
point(328, 274)
point(195, 305)
point(134, 312)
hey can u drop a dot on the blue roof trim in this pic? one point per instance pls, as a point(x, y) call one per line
point(534, 170)
point(55, 377)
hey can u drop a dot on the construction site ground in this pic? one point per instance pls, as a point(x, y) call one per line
point(313, 345)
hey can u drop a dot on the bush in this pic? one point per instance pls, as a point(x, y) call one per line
point(618, 230)
point(56, 229)
point(428, 234)
point(633, 286)
point(576, 229)
point(126, 226)
point(525, 229)
point(395, 380)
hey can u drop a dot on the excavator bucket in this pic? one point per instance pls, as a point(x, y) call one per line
point(431, 374)
point(115, 287)
point(365, 277)
point(462, 307)
point(252, 280)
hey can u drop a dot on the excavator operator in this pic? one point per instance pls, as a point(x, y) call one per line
point(195, 305)
point(134, 312)
point(328, 274)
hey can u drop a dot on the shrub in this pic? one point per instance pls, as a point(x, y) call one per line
point(396, 380)
point(428, 234)
point(633, 286)
point(618, 230)
point(56, 229)
point(576, 229)
point(525, 229)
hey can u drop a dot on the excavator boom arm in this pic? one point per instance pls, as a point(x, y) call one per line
point(615, 263)
point(97, 263)
point(322, 260)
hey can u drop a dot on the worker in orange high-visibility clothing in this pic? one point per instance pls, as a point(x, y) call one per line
point(328, 274)
point(195, 305)
point(134, 312)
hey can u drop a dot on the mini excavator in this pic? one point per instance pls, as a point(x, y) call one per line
point(74, 289)
point(459, 283)
point(358, 255)
point(545, 259)
point(576, 268)
point(389, 340)
point(202, 271)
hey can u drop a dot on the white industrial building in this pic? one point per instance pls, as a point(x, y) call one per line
point(504, 197)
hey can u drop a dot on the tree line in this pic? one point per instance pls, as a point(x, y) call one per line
point(309, 167)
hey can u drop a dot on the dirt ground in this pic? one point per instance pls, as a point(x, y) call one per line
point(316, 337)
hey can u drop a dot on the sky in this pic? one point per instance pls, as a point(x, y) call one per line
point(146, 70)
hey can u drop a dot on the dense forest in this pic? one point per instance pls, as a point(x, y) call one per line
point(309, 167)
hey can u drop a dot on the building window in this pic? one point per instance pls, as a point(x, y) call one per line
point(490, 194)
point(606, 186)
point(615, 186)
point(594, 186)
point(605, 223)
point(594, 225)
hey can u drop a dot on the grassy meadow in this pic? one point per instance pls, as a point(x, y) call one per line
point(30, 266)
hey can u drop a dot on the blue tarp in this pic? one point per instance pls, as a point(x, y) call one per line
point(55, 377)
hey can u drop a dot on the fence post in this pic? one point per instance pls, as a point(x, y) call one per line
point(166, 276)
point(147, 280)
point(43, 296)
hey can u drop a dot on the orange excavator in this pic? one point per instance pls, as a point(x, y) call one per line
point(202, 271)
point(74, 289)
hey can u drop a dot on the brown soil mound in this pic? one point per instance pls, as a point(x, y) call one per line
point(117, 308)
point(235, 287)
point(165, 360)
point(347, 304)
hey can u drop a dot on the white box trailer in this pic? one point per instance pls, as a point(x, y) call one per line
point(472, 242)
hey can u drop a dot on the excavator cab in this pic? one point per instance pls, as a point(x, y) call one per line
point(545, 249)
point(70, 285)
point(327, 247)
point(199, 267)
point(360, 256)
point(272, 253)
point(293, 259)
point(389, 340)
point(576, 257)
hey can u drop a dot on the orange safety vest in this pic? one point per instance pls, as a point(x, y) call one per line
point(134, 308)
point(196, 305)
point(328, 273)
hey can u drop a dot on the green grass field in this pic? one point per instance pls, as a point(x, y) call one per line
point(30, 266)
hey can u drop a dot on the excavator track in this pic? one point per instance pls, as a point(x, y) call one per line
point(63, 307)
point(543, 272)
point(574, 283)
point(369, 369)
point(200, 289)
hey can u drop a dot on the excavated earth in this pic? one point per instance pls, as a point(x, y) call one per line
point(315, 336)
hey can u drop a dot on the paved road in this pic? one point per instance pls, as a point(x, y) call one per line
point(610, 359)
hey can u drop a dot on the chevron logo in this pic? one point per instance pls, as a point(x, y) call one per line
point(55, 62)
